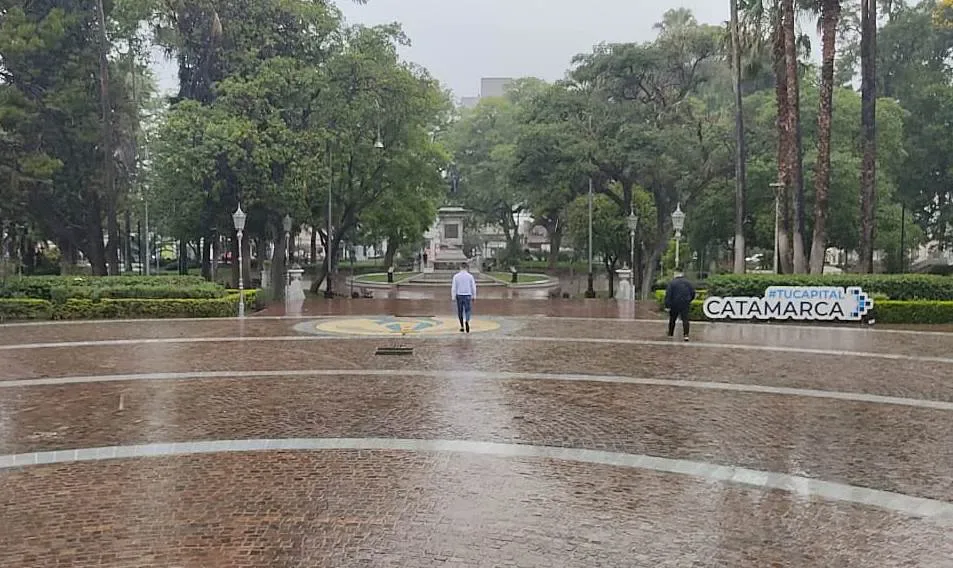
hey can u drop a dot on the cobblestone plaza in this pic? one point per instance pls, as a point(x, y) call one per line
point(554, 435)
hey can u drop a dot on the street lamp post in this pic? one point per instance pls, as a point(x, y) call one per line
point(239, 219)
point(633, 223)
point(286, 224)
point(678, 221)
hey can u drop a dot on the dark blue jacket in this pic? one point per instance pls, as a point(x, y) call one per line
point(679, 293)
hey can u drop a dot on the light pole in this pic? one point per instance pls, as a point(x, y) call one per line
point(678, 221)
point(239, 219)
point(777, 221)
point(590, 291)
point(633, 223)
point(286, 225)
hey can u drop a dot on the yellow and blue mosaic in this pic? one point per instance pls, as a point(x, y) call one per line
point(396, 326)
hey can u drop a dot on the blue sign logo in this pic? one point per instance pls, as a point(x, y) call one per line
point(803, 303)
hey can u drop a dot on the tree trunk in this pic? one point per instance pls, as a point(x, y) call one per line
point(320, 276)
point(868, 172)
point(113, 242)
point(555, 243)
point(822, 175)
point(109, 177)
point(392, 244)
point(96, 250)
point(792, 129)
point(206, 256)
point(740, 150)
point(278, 272)
point(783, 190)
point(183, 257)
point(314, 246)
point(127, 240)
point(610, 272)
point(28, 254)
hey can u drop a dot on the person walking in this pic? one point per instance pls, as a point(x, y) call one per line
point(679, 295)
point(463, 291)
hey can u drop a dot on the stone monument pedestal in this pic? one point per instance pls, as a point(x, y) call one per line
point(626, 290)
point(446, 239)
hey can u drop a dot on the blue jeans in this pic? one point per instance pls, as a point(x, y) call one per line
point(464, 308)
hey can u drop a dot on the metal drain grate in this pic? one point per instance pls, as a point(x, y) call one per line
point(394, 351)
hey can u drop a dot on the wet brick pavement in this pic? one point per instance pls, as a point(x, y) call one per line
point(725, 403)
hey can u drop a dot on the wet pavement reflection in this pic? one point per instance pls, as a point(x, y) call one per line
point(568, 433)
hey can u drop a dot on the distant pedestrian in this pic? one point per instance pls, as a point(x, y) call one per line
point(463, 291)
point(425, 259)
point(679, 295)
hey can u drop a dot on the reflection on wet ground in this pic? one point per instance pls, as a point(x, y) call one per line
point(563, 433)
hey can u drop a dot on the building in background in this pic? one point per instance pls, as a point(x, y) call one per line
point(489, 87)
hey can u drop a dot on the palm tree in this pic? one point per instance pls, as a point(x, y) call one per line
point(108, 145)
point(792, 132)
point(741, 154)
point(830, 16)
point(868, 119)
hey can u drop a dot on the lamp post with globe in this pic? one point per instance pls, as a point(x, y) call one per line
point(286, 225)
point(239, 218)
point(678, 221)
point(633, 223)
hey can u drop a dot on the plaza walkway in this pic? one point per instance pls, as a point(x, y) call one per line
point(557, 434)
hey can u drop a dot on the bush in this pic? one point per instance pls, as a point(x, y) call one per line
point(891, 311)
point(25, 309)
point(893, 286)
point(128, 308)
point(60, 294)
point(41, 287)
point(700, 296)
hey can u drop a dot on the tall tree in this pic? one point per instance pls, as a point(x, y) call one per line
point(792, 133)
point(740, 150)
point(868, 116)
point(830, 16)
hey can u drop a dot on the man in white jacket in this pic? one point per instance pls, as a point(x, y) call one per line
point(463, 291)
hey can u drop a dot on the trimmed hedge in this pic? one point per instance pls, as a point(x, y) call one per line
point(25, 309)
point(893, 286)
point(892, 311)
point(60, 294)
point(42, 287)
point(125, 308)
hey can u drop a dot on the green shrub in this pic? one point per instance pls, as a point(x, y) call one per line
point(891, 311)
point(25, 309)
point(700, 296)
point(60, 294)
point(41, 287)
point(893, 286)
point(150, 308)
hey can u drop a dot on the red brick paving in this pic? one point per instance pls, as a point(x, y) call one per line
point(393, 509)
point(378, 508)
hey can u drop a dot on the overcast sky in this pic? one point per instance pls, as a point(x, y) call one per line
point(460, 41)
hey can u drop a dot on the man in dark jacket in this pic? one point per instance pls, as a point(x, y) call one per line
point(679, 295)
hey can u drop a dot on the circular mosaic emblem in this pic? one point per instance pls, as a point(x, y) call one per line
point(408, 326)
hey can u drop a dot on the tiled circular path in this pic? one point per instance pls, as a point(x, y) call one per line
point(559, 441)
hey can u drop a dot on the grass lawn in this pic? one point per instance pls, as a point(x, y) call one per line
point(382, 278)
point(521, 279)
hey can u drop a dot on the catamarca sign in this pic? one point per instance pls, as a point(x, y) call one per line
point(803, 303)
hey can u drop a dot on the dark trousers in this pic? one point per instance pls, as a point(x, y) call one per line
point(464, 308)
point(674, 313)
